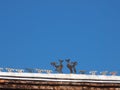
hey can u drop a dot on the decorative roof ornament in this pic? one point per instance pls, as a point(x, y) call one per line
point(82, 71)
point(113, 73)
point(19, 70)
point(39, 70)
point(93, 72)
point(30, 70)
point(104, 72)
point(57, 67)
point(71, 66)
point(1, 69)
point(9, 69)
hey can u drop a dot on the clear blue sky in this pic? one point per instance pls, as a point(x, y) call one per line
point(34, 33)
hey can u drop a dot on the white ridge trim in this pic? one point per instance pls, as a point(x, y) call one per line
point(60, 77)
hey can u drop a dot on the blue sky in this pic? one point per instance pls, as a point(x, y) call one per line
point(34, 33)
